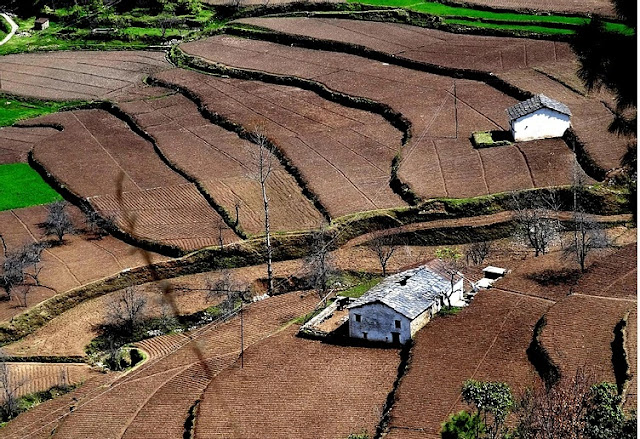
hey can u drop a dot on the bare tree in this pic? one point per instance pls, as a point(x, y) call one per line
point(58, 221)
point(536, 218)
point(221, 226)
point(557, 411)
point(383, 247)
point(319, 263)
point(8, 391)
point(450, 263)
point(237, 205)
point(263, 167)
point(94, 223)
point(477, 252)
point(126, 309)
point(585, 237)
point(31, 256)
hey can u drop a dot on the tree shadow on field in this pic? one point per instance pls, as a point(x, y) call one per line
point(550, 277)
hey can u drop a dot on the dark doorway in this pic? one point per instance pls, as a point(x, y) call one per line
point(395, 337)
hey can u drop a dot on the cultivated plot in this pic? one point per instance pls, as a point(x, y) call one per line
point(225, 165)
point(439, 159)
point(125, 180)
point(77, 75)
point(343, 154)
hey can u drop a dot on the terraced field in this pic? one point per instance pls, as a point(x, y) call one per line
point(487, 341)
point(77, 75)
point(36, 377)
point(125, 180)
point(343, 154)
point(15, 143)
point(281, 394)
point(522, 62)
point(224, 164)
point(439, 159)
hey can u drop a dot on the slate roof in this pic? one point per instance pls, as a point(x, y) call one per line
point(410, 293)
point(536, 103)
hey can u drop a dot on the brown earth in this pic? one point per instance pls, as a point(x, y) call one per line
point(15, 142)
point(77, 75)
point(631, 347)
point(486, 341)
point(153, 400)
point(225, 164)
point(289, 385)
point(80, 260)
point(343, 154)
point(439, 160)
point(29, 378)
point(124, 178)
point(523, 62)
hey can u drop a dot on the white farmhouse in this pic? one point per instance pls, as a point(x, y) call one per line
point(395, 309)
point(538, 118)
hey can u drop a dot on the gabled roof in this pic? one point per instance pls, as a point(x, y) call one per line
point(534, 104)
point(409, 293)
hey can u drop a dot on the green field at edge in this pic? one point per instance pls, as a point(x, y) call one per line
point(21, 186)
point(12, 111)
point(470, 17)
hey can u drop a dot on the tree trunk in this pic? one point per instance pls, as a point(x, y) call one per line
point(267, 232)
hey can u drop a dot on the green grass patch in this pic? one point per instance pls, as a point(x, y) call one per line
point(488, 139)
point(545, 24)
point(12, 110)
point(21, 186)
point(31, 400)
point(450, 311)
point(358, 290)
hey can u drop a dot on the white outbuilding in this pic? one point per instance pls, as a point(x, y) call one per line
point(538, 118)
point(395, 309)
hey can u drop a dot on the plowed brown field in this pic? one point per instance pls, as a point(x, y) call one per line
point(130, 405)
point(287, 381)
point(439, 160)
point(519, 61)
point(487, 341)
point(225, 165)
point(77, 75)
point(80, 260)
point(124, 179)
point(631, 347)
point(344, 154)
point(15, 143)
point(36, 377)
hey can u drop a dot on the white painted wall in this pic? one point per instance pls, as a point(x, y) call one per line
point(378, 321)
point(541, 124)
point(458, 294)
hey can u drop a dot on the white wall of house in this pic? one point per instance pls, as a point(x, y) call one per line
point(378, 323)
point(424, 318)
point(457, 298)
point(541, 124)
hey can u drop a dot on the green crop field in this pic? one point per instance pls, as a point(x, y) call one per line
point(21, 186)
point(12, 111)
point(545, 24)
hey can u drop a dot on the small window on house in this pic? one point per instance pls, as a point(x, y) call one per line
point(364, 335)
point(357, 317)
point(397, 323)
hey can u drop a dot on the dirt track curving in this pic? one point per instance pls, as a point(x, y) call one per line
point(77, 75)
point(224, 164)
point(439, 159)
point(343, 154)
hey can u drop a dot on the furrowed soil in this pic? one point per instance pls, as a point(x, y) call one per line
point(486, 341)
point(81, 259)
point(520, 61)
point(15, 142)
point(439, 159)
point(77, 75)
point(224, 164)
point(343, 154)
point(287, 381)
point(29, 378)
point(126, 181)
point(156, 397)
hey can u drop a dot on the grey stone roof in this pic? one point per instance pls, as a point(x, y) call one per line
point(536, 103)
point(410, 293)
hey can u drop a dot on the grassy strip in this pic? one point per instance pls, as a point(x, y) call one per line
point(543, 24)
point(31, 400)
point(14, 109)
point(358, 290)
point(21, 186)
